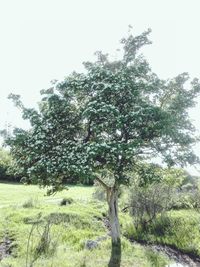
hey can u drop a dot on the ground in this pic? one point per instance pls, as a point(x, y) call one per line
point(37, 230)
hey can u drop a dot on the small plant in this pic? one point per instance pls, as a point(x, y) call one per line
point(30, 203)
point(66, 201)
point(45, 246)
point(41, 234)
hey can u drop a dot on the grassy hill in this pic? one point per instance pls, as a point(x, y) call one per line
point(35, 230)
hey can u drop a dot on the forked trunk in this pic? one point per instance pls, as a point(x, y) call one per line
point(112, 198)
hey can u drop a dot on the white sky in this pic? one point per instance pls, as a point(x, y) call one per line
point(41, 40)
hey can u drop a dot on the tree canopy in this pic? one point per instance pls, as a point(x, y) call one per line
point(111, 116)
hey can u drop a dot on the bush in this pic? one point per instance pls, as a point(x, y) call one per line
point(147, 202)
point(187, 198)
point(66, 201)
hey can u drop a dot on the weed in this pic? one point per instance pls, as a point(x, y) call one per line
point(30, 203)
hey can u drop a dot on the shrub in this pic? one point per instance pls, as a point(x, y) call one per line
point(66, 201)
point(187, 198)
point(147, 202)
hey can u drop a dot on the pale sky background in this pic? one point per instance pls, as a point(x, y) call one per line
point(41, 40)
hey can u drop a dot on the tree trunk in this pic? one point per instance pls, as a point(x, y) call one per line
point(112, 198)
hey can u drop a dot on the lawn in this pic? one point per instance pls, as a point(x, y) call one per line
point(44, 233)
point(16, 194)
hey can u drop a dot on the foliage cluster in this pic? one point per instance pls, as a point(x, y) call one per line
point(188, 195)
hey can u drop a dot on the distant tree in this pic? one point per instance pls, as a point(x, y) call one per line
point(4, 163)
point(6, 167)
point(100, 123)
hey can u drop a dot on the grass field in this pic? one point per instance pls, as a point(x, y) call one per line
point(44, 233)
point(16, 194)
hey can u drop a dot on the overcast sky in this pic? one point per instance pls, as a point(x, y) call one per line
point(41, 40)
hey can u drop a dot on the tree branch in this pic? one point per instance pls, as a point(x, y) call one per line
point(89, 132)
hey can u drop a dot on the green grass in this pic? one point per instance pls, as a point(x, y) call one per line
point(72, 225)
point(178, 228)
point(16, 194)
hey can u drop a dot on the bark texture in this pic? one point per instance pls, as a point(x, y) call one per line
point(112, 198)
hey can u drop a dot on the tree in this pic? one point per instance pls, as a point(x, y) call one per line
point(5, 162)
point(100, 123)
point(6, 167)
